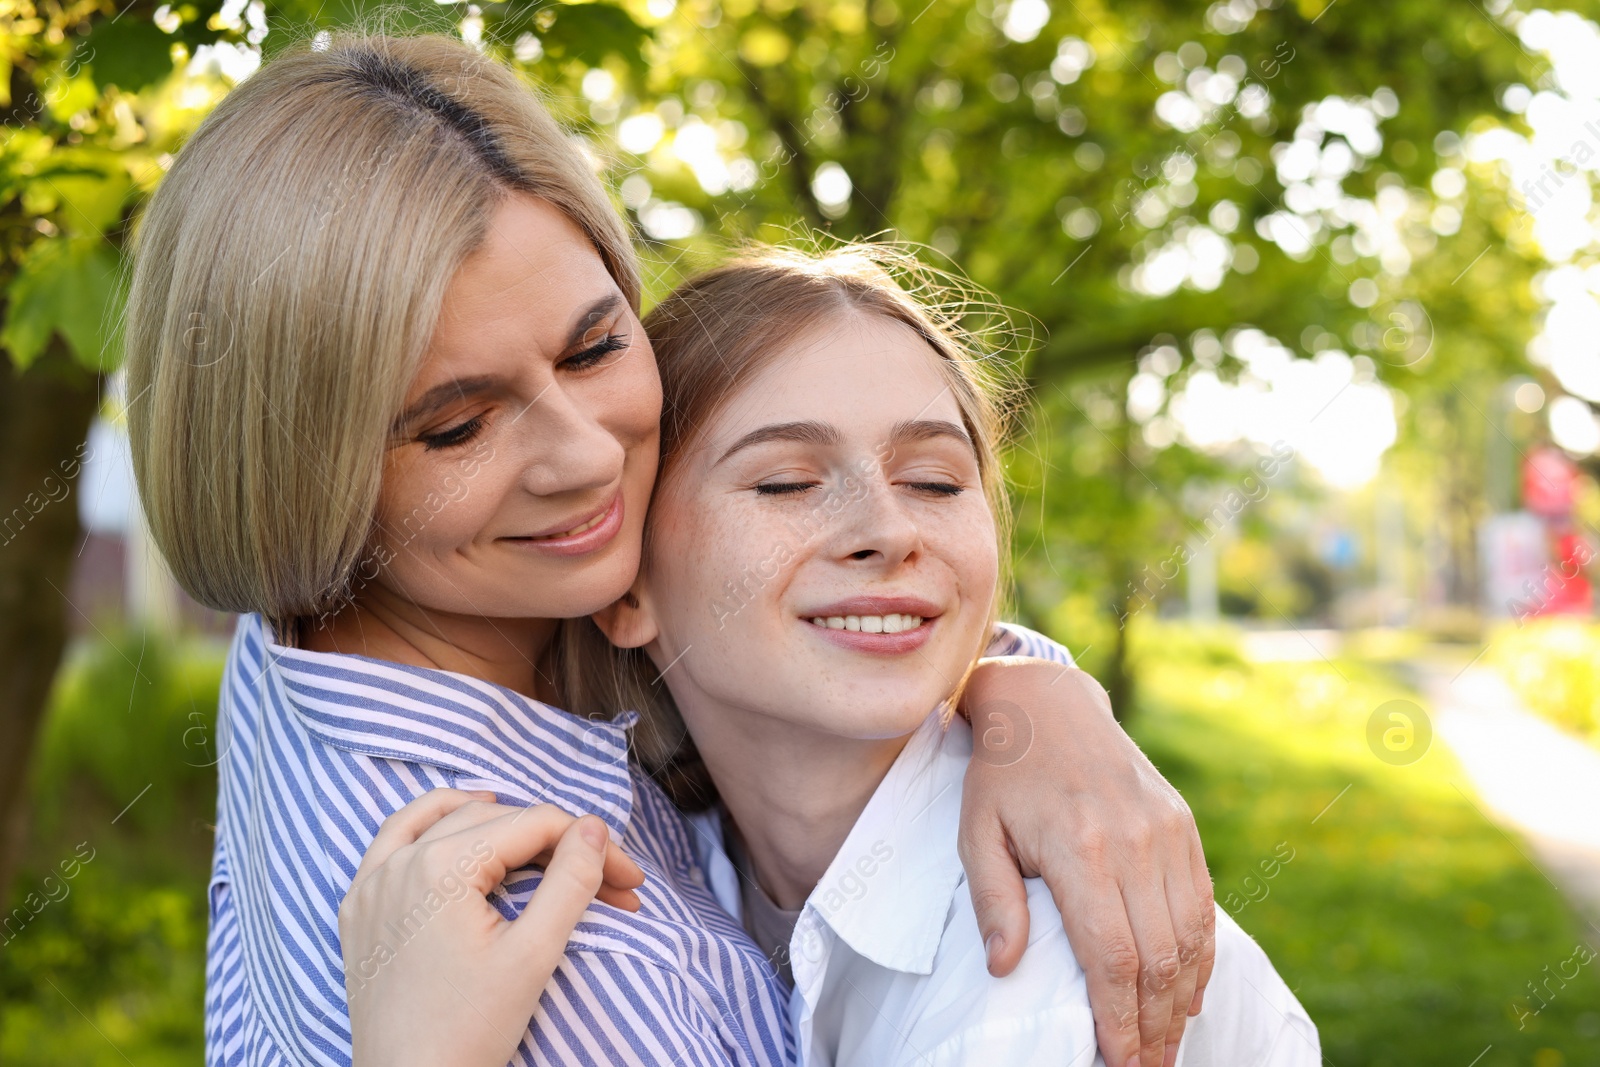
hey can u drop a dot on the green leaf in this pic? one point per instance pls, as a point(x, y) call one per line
point(129, 53)
point(391, 16)
point(83, 190)
point(68, 286)
point(585, 32)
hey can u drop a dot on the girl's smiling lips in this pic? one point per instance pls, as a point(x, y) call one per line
point(887, 625)
point(580, 537)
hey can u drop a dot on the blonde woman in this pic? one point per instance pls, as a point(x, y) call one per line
point(393, 405)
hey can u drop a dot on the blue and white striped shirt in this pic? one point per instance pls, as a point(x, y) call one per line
point(318, 748)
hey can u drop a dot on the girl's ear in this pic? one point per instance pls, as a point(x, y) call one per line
point(629, 622)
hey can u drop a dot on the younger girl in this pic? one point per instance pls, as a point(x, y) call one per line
point(832, 439)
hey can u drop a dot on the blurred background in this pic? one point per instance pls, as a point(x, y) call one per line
point(1307, 299)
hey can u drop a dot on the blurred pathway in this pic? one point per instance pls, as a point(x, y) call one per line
point(1530, 776)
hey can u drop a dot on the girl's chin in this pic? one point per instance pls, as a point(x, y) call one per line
point(872, 716)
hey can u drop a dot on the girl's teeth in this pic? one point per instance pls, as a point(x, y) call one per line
point(870, 624)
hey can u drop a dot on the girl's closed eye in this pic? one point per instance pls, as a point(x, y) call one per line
point(782, 488)
point(938, 488)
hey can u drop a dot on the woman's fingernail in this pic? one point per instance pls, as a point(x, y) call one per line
point(1133, 1061)
point(593, 831)
point(992, 949)
point(484, 795)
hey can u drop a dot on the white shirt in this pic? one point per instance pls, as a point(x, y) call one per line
point(889, 967)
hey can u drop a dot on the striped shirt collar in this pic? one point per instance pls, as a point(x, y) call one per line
point(475, 728)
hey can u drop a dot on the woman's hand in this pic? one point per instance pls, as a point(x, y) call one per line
point(1057, 789)
point(434, 974)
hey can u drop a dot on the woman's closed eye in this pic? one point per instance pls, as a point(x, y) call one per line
point(459, 434)
point(595, 354)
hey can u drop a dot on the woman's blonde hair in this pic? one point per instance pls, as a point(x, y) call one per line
point(717, 331)
point(288, 275)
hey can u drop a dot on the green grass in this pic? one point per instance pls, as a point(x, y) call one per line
point(1407, 924)
point(111, 971)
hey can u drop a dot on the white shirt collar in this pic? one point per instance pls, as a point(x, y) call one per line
point(887, 893)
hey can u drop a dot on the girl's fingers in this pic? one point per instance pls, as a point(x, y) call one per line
point(571, 880)
point(484, 853)
point(404, 826)
point(474, 813)
point(621, 877)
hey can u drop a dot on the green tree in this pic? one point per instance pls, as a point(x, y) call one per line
point(1056, 152)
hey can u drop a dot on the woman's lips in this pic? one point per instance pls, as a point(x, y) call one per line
point(591, 534)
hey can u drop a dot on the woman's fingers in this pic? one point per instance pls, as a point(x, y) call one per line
point(999, 898)
point(1093, 913)
point(406, 825)
point(1205, 896)
point(1184, 968)
point(1158, 967)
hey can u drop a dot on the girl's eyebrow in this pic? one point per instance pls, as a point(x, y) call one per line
point(808, 433)
point(821, 433)
point(924, 429)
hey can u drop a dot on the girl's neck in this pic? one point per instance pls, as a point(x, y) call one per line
point(507, 652)
point(794, 793)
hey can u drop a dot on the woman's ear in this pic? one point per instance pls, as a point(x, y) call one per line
point(629, 622)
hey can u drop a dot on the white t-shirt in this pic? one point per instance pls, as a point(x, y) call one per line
point(889, 967)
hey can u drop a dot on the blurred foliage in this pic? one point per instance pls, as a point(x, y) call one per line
point(1553, 664)
point(104, 960)
point(1050, 152)
point(1033, 158)
point(1407, 925)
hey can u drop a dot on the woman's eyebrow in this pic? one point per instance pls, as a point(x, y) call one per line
point(456, 388)
point(809, 433)
point(607, 305)
point(440, 395)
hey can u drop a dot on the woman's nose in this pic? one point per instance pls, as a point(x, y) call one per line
point(565, 447)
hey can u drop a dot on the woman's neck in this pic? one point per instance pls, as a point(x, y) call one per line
point(794, 793)
point(507, 652)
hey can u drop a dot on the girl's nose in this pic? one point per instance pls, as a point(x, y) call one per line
point(876, 527)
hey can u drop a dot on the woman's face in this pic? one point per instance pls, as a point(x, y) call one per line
point(518, 473)
point(825, 554)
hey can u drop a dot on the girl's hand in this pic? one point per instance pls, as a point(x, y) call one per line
point(433, 973)
point(1057, 789)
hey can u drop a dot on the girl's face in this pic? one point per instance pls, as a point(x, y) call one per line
point(518, 473)
point(824, 555)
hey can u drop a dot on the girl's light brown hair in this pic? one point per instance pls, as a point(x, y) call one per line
point(288, 275)
point(717, 331)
